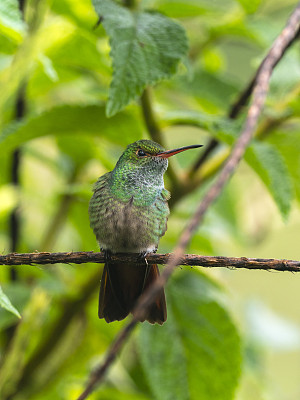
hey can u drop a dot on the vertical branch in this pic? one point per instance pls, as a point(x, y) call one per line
point(14, 223)
point(59, 217)
point(154, 130)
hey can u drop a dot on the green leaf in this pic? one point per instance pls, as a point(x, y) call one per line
point(164, 361)
point(145, 47)
point(250, 6)
point(11, 22)
point(222, 128)
point(73, 120)
point(183, 9)
point(270, 166)
point(262, 157)
point(48, 67)
point(25, 339)
point(5, 303)
point(196, 354)
point(115, 394)
point(212, 90)
point(287, 142)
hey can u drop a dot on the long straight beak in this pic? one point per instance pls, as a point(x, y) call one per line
point(169, 153)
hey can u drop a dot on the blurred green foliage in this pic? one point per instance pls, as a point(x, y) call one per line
point(82, 83)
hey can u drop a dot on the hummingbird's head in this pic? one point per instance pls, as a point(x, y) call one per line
point(139, 171)
point(148, 156)
point(142, 156)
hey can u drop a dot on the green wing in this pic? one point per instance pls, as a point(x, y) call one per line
point(162, 212)
point(99, 201)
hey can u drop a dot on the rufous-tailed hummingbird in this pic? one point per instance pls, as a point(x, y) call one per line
point(128, 213)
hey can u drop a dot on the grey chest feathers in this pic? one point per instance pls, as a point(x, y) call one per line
point(124, 227)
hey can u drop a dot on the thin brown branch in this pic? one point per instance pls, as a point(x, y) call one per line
point(82, 257)
point(259, 95)
point(114, 349)
point(237, 107)
point(239, 104)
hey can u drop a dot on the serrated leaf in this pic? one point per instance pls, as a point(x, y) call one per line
point(74, 120)
point(11, 22)
point(6, 303)
point(269, 165)
point(196, 354)
point(145, 47)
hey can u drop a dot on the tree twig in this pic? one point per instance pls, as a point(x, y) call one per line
point(239, 104)
point(14, 223)
point(81, 257)
point(259, 95)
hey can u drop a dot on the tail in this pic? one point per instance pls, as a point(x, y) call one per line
point(121, 286)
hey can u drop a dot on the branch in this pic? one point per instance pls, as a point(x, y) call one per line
point(14, 220)
point(154, 129)
point(193, 260)
point(259, 95)
point(244, 96)
point(242, 100)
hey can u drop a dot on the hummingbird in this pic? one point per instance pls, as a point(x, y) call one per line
point(128, 213)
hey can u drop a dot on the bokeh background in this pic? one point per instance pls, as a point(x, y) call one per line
point(231, 334)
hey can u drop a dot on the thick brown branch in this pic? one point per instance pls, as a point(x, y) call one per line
point(82, 257)
point(259, 96)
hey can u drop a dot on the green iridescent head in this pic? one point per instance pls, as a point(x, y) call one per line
point(139, 171)
point(143, 155)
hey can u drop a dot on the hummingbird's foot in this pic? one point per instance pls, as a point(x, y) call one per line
point(107, 254)
point(142, 256)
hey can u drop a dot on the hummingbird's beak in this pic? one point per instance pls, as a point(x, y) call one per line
point(169, 153)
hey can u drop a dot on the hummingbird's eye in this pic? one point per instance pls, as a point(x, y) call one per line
point(141, 153)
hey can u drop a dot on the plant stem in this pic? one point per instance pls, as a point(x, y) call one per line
point(155, 131)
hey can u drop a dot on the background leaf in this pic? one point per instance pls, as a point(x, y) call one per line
point(269, 165)
point(250, 6)
point(197, 352)
point(265, 159)
point(11, 22)
point(6, 303)
point(71, 120)
point(145, 47)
